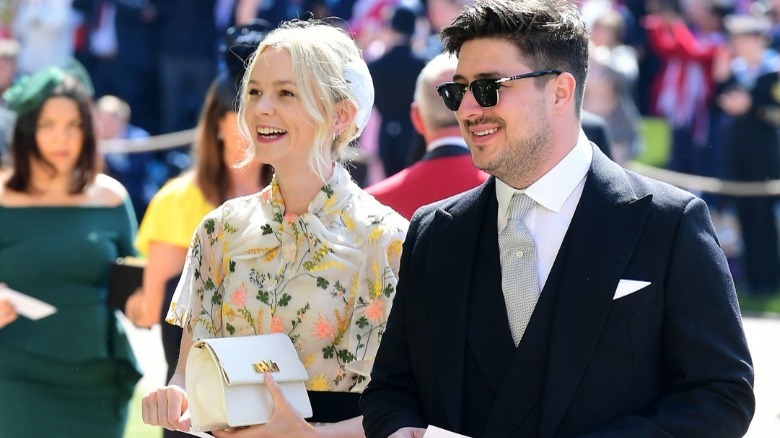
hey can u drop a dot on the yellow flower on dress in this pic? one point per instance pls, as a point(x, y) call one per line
point(375, 235)
point(324, 329)
point(318, 383)
point(394, 248)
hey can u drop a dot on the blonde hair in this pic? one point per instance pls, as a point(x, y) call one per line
point(321, 55)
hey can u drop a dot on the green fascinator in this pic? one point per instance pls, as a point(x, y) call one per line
point(29, 92)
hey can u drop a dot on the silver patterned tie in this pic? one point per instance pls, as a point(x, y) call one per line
point(519, 278)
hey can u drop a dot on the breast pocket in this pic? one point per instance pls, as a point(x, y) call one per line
point(629, 304)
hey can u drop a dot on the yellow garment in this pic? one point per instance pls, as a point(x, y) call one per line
point(173, 214)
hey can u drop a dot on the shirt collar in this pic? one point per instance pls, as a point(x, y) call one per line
point(553, 188)
point(454, 141)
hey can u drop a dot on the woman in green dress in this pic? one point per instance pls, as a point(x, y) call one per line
point(70, 374)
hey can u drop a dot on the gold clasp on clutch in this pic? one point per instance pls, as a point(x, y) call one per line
point(265, 366)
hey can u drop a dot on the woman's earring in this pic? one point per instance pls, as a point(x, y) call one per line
point(336, 135)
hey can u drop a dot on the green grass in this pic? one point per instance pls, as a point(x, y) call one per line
point(655, 132)
point(760, 305)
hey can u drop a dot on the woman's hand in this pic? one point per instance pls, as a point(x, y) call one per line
point(285, 420)
point(166, 407)
point(136, 311)
point(7, 313)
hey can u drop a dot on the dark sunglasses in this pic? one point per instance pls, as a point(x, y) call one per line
point(485, 90)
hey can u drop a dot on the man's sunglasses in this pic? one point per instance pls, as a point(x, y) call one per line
point(485, 90)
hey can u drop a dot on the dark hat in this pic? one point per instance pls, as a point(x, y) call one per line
point(240, 42)
point(403, 20)
point(746, 24)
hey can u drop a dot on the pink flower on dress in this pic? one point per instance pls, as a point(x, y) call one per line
point(324, 330)
point(290, 218)
point(277, 325)
point(238, 298)
point(265, 196)
point(375, 311)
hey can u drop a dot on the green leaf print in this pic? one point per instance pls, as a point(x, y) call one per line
point(284, 300)
point(264, 297)
point(322, 282)
point(232, 266)
point(209, 284)
point(346, 356)
point(230, 329)
point(209, 224)
point(267, 229)
point(388, 290)
point(328, 352)
point(362, 322)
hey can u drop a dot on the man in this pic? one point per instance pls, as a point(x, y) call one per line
point(394, 74)
point(636, 331)
point(446, 168)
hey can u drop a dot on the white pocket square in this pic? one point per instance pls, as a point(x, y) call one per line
point(627, 287)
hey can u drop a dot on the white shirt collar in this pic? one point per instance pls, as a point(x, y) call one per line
point(454, 140)
point(553, 188)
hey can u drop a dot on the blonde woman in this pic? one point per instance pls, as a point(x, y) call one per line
point(312, 255)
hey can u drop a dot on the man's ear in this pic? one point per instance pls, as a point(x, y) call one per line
point(564, 90)
point(417, 121)
point(344, 115)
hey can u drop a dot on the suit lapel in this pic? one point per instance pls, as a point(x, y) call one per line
point(453, 247)
point(602, 236)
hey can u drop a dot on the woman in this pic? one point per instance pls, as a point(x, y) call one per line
point(71, 373)
point(312, 255)
point(176, 210)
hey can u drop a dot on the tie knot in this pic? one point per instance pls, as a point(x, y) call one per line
point(519, 206)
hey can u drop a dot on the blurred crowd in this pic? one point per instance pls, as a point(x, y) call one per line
point(706, 68)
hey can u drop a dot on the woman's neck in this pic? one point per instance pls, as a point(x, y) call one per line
point(245, 180)
point(298, 188)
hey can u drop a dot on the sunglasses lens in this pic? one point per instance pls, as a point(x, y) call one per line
point(452, 94)
point(485, 92)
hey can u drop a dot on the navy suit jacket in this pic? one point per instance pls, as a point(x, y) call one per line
point(668, 360)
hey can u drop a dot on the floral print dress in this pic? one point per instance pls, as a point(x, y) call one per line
point(326, 278)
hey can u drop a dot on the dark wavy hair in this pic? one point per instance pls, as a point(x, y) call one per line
point(550, 34)
point(24, 147)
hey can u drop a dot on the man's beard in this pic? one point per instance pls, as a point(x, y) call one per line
point(519, 157)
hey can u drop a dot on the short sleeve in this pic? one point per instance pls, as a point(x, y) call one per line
point(173, 214)
point(200, 281)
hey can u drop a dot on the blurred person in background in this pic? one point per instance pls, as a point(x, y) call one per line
point(72, 373)
point(46, 32)
point(140, 172)
point(446, 168)
point(120, 54)
point(749, 94)
point(9, 51)
point(394, 74)
point(612, 74)
point(686, 35)
point(311, 255)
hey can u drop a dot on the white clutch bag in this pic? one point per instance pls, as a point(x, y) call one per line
point(225, 386)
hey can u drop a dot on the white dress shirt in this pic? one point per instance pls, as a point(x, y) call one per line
point(557, 194)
